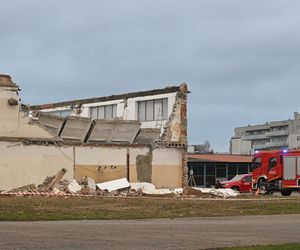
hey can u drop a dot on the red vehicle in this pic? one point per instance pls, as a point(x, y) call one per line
point(277, 170)
point(240, 183)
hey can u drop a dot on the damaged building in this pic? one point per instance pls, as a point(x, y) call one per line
point(140, 136)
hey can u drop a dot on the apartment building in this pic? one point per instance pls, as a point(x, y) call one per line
point(268, 136)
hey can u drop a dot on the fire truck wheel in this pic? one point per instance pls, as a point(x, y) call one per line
point(286, 192)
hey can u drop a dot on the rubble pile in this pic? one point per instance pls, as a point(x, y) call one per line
point(52, 182)
point(27, 188)
point(117, 188)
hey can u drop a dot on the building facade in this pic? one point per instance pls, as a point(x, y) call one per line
point(268, 136)
point(141, 136)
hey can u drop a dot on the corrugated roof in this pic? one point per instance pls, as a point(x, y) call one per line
point(220, 158)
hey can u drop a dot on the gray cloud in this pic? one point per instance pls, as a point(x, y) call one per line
point(240, 58)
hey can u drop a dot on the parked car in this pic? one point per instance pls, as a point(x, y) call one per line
point(241, 183)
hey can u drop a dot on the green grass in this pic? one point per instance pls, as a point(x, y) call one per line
point(104, 208)
point(276, 247)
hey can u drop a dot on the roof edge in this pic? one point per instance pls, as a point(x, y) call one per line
point(166, 90)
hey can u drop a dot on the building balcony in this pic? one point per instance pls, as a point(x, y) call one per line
point(254, 137)
point(261, 146)
point(277, 133)
point(277, 144)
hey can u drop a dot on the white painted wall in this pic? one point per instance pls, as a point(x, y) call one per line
point(30, 164)
point(13, 122)
point(240, 147)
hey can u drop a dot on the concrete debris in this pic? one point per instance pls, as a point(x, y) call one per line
point(63, 185)
point(119, 188)
point(164, 192)
point(147, 135)
point(225, 192)
point(27, 188)
point(51, 122)
point(87, 184)
point(141, 186)
point(52, 181)
point(149, 189)
point(211, 192)
point(114, 185)
point(74, 187)
point(113, 131)
point(56, 191)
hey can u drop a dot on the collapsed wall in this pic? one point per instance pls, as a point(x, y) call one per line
point(32, 149)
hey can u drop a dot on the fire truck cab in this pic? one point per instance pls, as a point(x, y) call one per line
point(277, 170)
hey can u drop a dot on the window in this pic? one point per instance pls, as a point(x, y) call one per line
point(153, 110)
point(279, 139)
point(104, 112)
point(62, 113)
point(256, 163)
point(272, 162)
point(248, 178)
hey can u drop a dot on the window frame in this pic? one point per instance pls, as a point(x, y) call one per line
point(272, 161)
point(111, 116)
point(152, 102)
point(256, 163)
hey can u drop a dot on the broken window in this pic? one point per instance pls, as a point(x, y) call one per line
point(153, 110)
point(103, 112)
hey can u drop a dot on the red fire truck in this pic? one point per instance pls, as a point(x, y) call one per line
point(277, 170)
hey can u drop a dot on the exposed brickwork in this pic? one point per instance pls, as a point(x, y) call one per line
point(175, 130)
point(6, 81)
point(184, 180)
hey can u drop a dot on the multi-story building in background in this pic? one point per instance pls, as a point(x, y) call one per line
point(268, 136)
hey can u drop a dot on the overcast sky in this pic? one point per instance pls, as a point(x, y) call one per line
point(240, 59)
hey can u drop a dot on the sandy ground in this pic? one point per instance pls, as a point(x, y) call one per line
point(200, 233)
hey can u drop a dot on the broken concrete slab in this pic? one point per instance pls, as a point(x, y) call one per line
point(75, 128)
point(114, 185)
point(51, 122)
point(147, 136)
point(118, 131)
point(221, 192)
point(52, 181)
point(141, 186)
point(88, 184)
point(125, 131)
point(101, 131)
point(162, 192)
point(74, 187)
